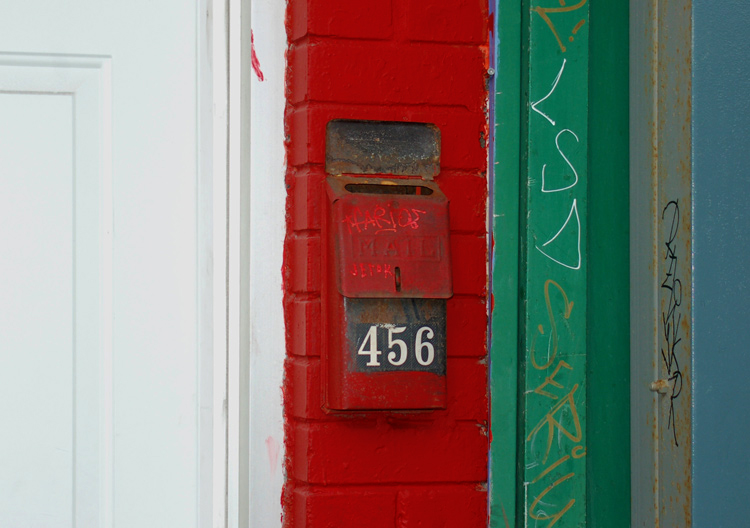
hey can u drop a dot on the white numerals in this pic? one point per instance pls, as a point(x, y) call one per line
point(373, 352)
point(420, 346)
point(398, 350)
point(396, 342)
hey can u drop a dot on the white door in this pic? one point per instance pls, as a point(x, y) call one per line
point(101, 420)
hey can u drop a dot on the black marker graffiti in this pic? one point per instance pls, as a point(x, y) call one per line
point(671, 317)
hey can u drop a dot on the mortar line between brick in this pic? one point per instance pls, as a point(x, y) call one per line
point(395, 107)
point(481, 484)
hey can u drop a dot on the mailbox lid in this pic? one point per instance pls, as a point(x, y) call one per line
point(391, 238)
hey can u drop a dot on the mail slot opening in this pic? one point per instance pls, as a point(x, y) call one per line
point(372, 188)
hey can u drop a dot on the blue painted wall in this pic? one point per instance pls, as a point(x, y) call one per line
point(721, 178)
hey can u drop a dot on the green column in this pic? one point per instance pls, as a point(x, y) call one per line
point(554, 311)
point(554, 256)
point(504, 261)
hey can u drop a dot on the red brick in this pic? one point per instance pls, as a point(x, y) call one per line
point(305, 327)
point(468, 200)
point(447, 20)
point(303, 262)
point(306, 394)
point(366, 72)
point(363, 19)
point(460, 131)
point(306, 389)
point(306, 210)
point(467, 326)
point(408, 451)
point(467, 389)
point(469, 259)
point(433, 72)
point(297, 63)
point(442, 507)
point(361, 507)
point(302, 136)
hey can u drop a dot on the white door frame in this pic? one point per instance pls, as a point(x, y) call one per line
point(241, 226)
point(211, 261)
point(218, 460)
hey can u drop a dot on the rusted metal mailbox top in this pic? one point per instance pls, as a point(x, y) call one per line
point(391, 238)
point(382, 147)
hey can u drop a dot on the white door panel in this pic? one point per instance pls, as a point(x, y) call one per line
point(37, 377)
point(99, 385)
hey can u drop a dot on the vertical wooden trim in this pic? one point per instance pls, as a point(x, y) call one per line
point(238, 265)
point(608, 369)
point(243, 50)
point(505, 248)
point(212, 249)
point(560, 267)
point(555, 258)
point(204, 268)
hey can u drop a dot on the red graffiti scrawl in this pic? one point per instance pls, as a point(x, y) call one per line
point(254, 58)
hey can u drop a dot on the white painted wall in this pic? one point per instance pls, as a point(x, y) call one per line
point(267, 229)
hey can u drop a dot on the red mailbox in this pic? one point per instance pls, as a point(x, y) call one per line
point(386, 276)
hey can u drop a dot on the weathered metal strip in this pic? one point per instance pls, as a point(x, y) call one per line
point(555, 202)
point(382, 147)
point(674, 252)
point(661, 263)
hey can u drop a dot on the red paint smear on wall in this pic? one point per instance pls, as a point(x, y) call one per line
point(254, 58)
point(272, 446)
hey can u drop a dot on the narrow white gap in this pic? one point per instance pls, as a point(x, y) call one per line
point(220, 170)
point(211, 476)
point(106, 201)
point(234, 261)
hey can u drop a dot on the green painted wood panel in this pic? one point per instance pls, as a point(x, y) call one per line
point(554, 257)
point(505, 245)
point(559, 330)
point(608, 366)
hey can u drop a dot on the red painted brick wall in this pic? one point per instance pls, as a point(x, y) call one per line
point(390, 60)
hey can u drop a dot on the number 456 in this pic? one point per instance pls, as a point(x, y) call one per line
point(423, 349)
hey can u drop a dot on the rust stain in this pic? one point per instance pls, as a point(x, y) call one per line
point(667, 83)
point(381, 147)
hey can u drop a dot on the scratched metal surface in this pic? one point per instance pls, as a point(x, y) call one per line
point(380, 147)
point(661, 263)
point(721, 143)
point(554, 364)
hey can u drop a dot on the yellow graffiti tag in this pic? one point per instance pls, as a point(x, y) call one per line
point(550, 380)
point(553, 325)
point(556, 517)
point(543, 13)
point(553, 423)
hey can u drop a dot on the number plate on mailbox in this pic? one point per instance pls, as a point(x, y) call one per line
point(396, 334)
